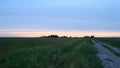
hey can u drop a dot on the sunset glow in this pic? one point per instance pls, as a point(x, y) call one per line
point(73, 34)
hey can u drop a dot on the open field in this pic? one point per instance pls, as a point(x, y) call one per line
point(47, 53)
point(112, 41)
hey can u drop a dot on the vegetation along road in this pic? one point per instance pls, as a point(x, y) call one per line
point(48, 53)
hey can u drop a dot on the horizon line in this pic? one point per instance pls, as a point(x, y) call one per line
point(60, 33)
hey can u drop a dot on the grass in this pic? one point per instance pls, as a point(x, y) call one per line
point(113, 41)
point(47, 53)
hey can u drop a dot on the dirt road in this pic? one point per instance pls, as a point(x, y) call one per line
point(117, 50)
point(109, 59)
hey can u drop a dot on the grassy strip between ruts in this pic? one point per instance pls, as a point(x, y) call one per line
point(50, 53)
point(113, 41)
point(117, 54)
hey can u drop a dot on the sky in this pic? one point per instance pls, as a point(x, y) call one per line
point(32, 18)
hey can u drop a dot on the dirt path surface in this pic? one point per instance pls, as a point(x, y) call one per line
point(109, 59)
point(117, 50)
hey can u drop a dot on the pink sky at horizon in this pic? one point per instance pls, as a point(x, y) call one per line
point(59, 33)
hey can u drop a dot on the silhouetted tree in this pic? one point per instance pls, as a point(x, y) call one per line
point(92, 36)
point(53, 36)
point(86, 37)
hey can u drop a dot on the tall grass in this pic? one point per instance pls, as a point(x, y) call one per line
point(47, 53)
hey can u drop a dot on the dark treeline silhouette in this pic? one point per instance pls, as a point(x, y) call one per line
point(64, 37)
point(53, 36)
point(92, 36)
point(56, 36)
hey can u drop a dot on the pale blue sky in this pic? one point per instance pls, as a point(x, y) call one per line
point(69, 15)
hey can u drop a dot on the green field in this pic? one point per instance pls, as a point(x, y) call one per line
point(113, 41)
point(47, 53)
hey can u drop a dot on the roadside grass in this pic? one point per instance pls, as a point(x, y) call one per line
point(113, 41)
point(48, 53)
